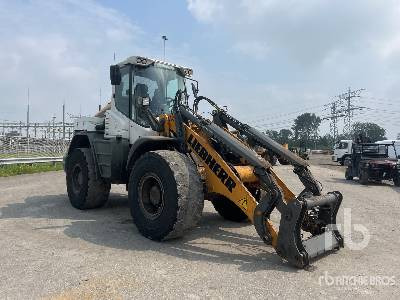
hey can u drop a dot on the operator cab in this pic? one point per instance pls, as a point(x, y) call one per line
point(139, 82)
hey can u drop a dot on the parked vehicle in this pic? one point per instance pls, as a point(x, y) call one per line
point(342, 150)
point(393, 152)
point(371, 162)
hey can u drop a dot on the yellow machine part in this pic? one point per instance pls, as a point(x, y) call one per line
point(234, 181)
point(219, 176)
point(246, 174)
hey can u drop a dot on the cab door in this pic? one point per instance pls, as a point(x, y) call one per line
point(118, 117)
point(123, 120)
point(142, 87)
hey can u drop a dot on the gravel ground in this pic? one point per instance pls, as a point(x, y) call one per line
point(50, 250)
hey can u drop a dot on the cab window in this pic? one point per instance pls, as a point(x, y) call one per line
point(143, 87)
point(122, 92)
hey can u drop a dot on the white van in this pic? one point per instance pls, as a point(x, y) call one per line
point(342, 150)
point(393, 152)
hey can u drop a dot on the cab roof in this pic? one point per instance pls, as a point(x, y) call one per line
point(144, 62)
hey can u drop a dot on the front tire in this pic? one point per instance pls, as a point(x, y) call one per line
point(85, 191)
point(165, 194)
point(363, 177)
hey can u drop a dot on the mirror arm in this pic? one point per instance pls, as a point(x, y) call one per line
point(195, 90)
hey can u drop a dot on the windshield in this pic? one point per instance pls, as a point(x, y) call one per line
point(374, 150)
point(160, 83)
point(341, 145)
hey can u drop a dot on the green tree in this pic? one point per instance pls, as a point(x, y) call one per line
point(305, 129)
point(325, 142)
point(285, 136)
point(369, 131)
point(273, 134)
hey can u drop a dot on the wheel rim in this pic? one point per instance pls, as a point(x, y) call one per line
point(77, 179)
point(151, 195)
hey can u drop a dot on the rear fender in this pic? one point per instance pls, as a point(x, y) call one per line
point(78, 141)
point(82, 140)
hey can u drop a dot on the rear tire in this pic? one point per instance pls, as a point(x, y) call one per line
point(227, 209)
point(165, 194)
point(363, 177)
point(348, 174)
point(85, 191)
point(396, 180)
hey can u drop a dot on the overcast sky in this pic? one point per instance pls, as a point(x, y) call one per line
point(268, 61)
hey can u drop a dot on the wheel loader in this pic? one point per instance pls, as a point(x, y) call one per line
point(171, 158)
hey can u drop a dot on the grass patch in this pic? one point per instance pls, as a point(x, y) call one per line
point(11, 170)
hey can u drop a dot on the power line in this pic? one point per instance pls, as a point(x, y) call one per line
point(286, 122)
point(270, 117)
point(384, 101)
point(342, 107)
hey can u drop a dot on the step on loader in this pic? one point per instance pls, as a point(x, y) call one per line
point(171, 159)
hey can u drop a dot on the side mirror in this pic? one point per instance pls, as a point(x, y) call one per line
point(115, 75)
point(195, 90)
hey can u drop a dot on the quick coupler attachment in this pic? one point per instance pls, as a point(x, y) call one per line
point(315, 215)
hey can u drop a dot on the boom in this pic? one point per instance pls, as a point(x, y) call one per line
point(232, 169)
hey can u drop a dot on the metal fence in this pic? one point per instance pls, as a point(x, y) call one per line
point(23, 147)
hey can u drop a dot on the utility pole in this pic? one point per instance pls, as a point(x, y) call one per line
point(63, 120)
point(100, 101)
point(334, 119)
point(27, 126)
point(342, 107)
point(27, 118)
point(164, 37)
point(348, 108)
point(54, 127)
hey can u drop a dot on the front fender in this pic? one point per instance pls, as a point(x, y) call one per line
point(149, 143)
